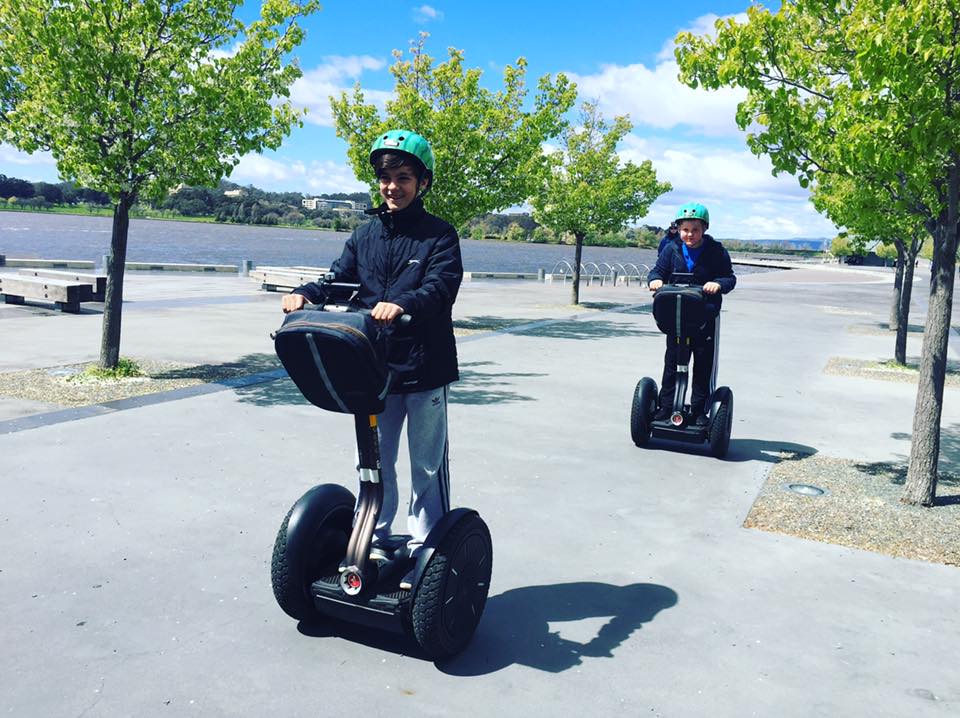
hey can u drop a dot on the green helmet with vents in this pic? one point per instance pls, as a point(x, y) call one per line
point(404, 141)
point(694, 210)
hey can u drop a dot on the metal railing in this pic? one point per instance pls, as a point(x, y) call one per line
point(603, 272)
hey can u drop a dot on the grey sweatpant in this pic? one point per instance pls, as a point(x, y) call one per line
point(425, 413)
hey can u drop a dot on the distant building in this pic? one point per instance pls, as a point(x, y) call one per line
point(337, 205)
point(234, 193)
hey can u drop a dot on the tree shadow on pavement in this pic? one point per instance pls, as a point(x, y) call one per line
point(483, 387)
point(279, 392)
point(516, 625)
point(587, 328)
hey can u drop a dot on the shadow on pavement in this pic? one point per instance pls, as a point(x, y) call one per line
point(279, 392)
point(516, 629)
point(380, 640)
point(763, 450)
point(587, 328)
point(740, 449)
point(482, 387)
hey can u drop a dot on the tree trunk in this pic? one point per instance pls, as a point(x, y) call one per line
point(113, 301)
point(920, 487)
point(577, 254)
point(897, 285)
point(903, 311)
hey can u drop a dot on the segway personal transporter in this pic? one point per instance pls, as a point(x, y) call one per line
point(680, 312)
point(321, 559)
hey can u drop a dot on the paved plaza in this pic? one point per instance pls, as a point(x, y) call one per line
point(136, 537)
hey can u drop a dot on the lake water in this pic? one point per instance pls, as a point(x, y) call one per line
point(61, 236)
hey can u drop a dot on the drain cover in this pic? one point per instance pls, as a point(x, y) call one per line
point(806, 489)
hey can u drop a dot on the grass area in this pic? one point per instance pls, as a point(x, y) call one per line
point(125, 368)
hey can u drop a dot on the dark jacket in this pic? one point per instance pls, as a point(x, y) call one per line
point(667, 238)
point(713, 265)
point(410, 258)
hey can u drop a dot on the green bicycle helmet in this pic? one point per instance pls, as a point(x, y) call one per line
point(406, 142)
point(694, 210)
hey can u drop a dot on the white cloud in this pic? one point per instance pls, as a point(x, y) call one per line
point(38, 167)
point(703, 25)
point(337, 73)
point(426, 13)
point(656, 98)
point(317, 177)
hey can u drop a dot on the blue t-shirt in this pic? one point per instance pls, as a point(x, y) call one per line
point(691, 255)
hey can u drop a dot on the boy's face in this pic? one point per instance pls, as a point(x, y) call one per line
point(398, 186)
point(691, 232)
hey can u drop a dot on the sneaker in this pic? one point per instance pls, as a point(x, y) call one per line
point(663, 413)
point(406, 583)
point(702, 420)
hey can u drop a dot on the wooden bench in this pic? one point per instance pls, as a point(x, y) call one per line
point(65, 295)
point(97, 282)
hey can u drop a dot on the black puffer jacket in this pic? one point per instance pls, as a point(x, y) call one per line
point(713, 265)
point(410, 258)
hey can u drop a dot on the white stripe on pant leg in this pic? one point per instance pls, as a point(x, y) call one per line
point(427, 439)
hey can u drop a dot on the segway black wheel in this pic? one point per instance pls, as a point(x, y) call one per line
point(720, 428)
point(453, 591)
point(644, 407)
point(312, 539)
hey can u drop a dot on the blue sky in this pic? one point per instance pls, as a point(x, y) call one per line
point(619, 54)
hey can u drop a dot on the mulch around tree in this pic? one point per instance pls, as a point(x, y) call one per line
point(860, 508)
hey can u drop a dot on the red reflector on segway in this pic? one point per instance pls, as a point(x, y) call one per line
point(676, 418)
point(353, 580)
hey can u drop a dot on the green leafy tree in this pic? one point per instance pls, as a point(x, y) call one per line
point(588, 190)
point(134, 97)
point(487, 148)
point(866, 89)
point(870, 213)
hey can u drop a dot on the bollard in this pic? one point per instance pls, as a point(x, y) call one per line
point(541, 274)
point(613, 277)
point(245, 266)
point(105, 263)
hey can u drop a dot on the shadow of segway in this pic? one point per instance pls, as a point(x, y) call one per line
point(515, 628)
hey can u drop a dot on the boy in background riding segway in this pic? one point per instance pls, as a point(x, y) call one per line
point(699, 254)
point(407, 261)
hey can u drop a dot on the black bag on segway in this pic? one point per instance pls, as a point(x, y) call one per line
point(680, 310)
point(335, 359)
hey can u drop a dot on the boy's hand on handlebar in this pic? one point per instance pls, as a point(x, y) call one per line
point(711, 288)
point(386, 312)
point(292, 302)
point(655, 285)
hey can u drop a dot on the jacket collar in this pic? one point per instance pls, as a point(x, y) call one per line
point(396, 221)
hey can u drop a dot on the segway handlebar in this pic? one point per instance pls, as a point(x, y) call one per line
point(403, 320)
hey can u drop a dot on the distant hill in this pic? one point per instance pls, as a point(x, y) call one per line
point(816, 244)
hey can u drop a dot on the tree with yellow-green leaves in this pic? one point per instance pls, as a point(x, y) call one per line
point(589, 190)
point(486, 146)
point(865, 89)
point(135, 97)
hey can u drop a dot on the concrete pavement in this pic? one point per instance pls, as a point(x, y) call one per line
point(136, 543)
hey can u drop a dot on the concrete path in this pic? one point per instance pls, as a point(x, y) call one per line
point(136, 543)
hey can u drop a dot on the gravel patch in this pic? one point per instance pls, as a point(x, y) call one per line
point(882, 329)
point(66, 385)
point(860, 509)
point(886, 371)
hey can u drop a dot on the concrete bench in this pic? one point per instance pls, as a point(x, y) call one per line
point(283, 279)
point(97, 282)
point(65, 295)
